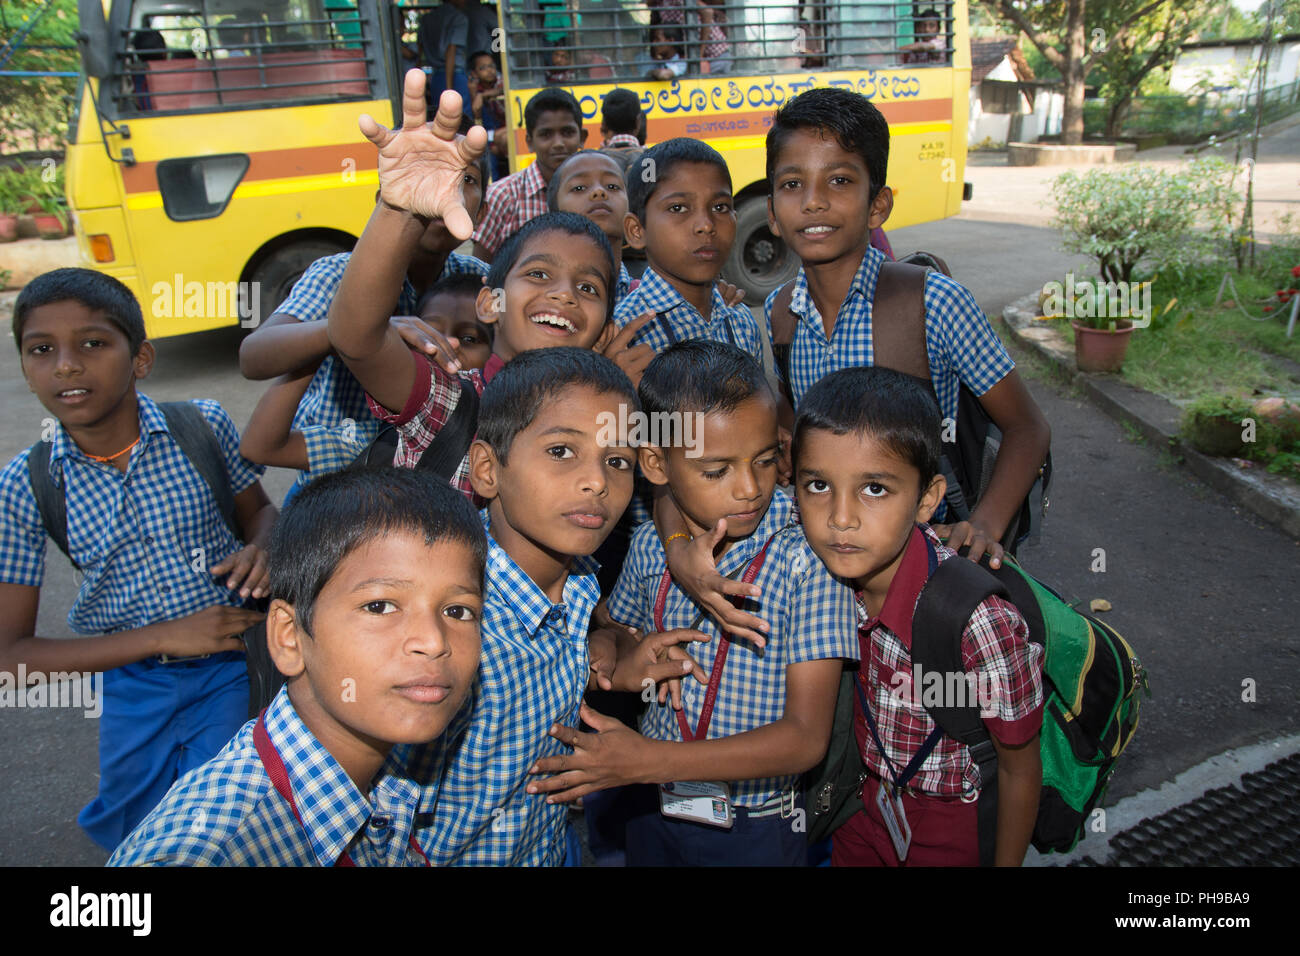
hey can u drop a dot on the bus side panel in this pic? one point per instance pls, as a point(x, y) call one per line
point(926, 110)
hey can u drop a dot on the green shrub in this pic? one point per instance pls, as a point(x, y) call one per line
point(1134, 213)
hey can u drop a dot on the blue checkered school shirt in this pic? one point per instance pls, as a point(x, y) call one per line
point(732, 324)
point(334, 399)
point(134, 535)
point(228, 813)
point(812, 618)
point(960, 343)
point(623, 285)
point(532, 674)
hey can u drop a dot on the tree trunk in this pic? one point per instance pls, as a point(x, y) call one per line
point(1116, 113)
point(1072, 121)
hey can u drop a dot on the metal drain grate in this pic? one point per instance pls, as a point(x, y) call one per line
point(1256, 825)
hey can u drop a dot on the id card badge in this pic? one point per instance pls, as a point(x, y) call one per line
point(889, 800)
point(699, 801)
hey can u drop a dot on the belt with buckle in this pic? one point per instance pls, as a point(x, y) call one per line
point(170, 659)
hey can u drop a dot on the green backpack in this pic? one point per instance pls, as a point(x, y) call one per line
point(1090, 712)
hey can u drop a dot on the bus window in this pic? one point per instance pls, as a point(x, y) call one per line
point(565, 42)
point(232, 54)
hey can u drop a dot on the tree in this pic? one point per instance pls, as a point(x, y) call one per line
point(1075, 37)
point(34, 108)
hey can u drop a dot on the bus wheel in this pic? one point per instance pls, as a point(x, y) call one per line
point(759, 261)
point(277, 273)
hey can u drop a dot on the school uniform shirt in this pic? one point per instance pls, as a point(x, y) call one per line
point(995, 644)
point(623, 286)
point(960, 343)
point(511, 202)
point(532, 674)
point(332, 414)
point(434, 396)
point(810, 611)
point(228, 813)
point(143, 539)
point(676, 320)
point(622, 141)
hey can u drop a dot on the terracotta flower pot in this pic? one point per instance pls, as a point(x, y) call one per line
point(8, 227)
point(50, 227)
point(1101, 350)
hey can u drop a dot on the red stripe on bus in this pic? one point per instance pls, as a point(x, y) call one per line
point(273, 164)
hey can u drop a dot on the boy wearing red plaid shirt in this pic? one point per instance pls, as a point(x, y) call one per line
point(866, 458)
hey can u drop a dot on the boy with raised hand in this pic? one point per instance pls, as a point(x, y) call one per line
point(332, 413)
point(554, 132)
point(376, 597)
point(551, 285)
point(165, 580)
point(866, 455)
point(270, 437)
point(555, 488)
point(730, 758)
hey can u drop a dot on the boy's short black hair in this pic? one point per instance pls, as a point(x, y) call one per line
point(530, 379)
point(703, 376)
point(646, 171)
point(551, 98)
point(94, 290)
point(889, 407)
point(620, 112)
point(340, 512)
point(458, 283)
point(553, 187)
point(852, 118)
point(473, 58)
point(566, 222)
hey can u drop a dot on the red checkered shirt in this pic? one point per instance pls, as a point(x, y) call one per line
point(511, 202)
point(995, 644)
point(432, 400)
point(622, 141)
point(714, 37)
point(669, 11)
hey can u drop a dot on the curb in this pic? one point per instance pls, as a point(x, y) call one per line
point(1270, 497)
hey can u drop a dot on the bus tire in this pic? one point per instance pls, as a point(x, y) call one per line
point(759, 261)
point(277, 273)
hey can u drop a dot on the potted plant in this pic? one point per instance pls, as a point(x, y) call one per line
point(52, 220)
point(1214, 424)
point(1100, 343)
point(9, 207)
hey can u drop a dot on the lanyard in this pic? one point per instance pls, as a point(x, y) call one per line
point(908, 772)
point(275, 769)
point(715, 676)
point(662, 319)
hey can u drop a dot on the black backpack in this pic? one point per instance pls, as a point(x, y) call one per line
point(449, 446)
point(196, 440)
point(899, 339)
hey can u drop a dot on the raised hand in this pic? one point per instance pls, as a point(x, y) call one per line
point(422, 165)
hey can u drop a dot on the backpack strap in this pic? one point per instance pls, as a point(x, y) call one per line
point(898, 319)
point(445, 452)
point(50, 502)
point(194, 436)
point(951, 595)
point(451, 443)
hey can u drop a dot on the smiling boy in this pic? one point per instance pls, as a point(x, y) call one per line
point(554, 132)
point(376, 599)
point(827, 159)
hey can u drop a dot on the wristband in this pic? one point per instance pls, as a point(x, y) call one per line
point(676, 534)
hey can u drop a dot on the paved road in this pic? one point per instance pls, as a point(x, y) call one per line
point(1204, 592)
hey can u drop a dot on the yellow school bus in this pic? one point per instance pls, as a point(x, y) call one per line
point(215, 151)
